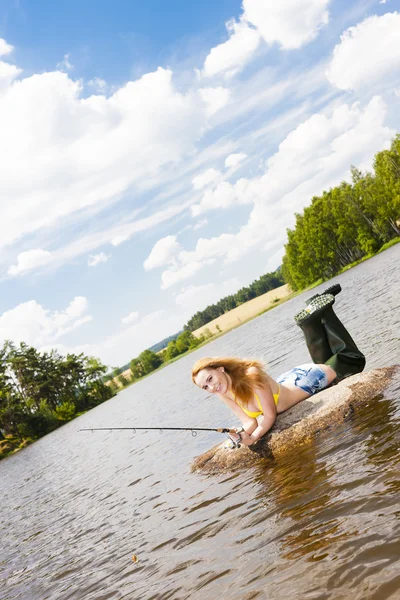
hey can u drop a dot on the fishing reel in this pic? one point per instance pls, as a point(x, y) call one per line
point(234, 442)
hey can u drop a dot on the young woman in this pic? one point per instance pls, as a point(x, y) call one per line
point(256, 398)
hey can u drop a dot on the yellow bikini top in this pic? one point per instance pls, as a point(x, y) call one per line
point(256, 414)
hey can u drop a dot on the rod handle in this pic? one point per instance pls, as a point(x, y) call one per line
point(225, 430)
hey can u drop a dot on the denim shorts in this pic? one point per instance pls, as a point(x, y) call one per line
point(310, 378)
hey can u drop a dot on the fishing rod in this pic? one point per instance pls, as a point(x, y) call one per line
point(193, 430)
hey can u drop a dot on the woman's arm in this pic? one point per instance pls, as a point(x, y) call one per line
point(269, 417)
point(249, 424)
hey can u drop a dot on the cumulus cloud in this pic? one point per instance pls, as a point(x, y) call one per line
point(81, 153)
point(187, 263)
point(31, 259)
point(30, 322)
point(162, 253)
point(96, 259)
point(204, 179)
point(229, 58)
point(215, 98)
point(223, 195)
point(234, 160)
point(289, 23)
point(5, 48)
point(133, 316)
point(313, 157)
point(176, 274)
point(368, 53)
point(7, 74)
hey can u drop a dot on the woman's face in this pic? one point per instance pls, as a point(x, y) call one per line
point(213, 381)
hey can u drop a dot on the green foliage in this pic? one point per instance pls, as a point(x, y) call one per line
point(171, 351)
point(345, 224)
point(39, 391)
point(145, 363)
point(150, 361)
point(66, 411)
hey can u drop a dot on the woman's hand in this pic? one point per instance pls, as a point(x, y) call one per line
point(246, 439)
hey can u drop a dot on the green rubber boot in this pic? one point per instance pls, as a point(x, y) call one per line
point(334, 290)
point(346, 358)
point(316, 339)
point(327, 339)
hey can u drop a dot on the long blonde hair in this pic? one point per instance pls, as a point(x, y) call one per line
point(244, 383)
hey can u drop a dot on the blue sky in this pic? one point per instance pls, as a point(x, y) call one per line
point(152, 155)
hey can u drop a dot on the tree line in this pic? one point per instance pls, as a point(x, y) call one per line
point(39, 391)
point(260, 286)
point(347, 223)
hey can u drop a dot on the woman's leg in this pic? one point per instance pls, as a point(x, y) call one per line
point(346, 358)
point(327, 338)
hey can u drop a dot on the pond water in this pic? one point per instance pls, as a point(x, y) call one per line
point(322, 522)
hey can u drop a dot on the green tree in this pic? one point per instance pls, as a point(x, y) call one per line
point(150, 361)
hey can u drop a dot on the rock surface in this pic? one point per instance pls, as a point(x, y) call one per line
point(302, 422)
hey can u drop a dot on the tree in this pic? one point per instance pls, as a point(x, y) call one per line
point(171, 350)
point(150, 361)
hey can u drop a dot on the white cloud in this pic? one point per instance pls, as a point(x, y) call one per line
point(368, 53)
point(197, 297)
point(5, 48)
point(65, 64)
point(30, 322)
point(31, 259)
point(81, 153)
point(215, 98)
point(205, 178)
point(162, 253)
point(230, 57)
point(119, 239)
point(96, 259)
point(174, 275)
point(200, 224)
point(133, 316)
point(315, 156)
point(223, 195)
point(290, 23)
point(7, 74)
point(98, 84)
point(234, 160)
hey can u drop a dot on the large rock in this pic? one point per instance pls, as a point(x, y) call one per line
point(301, 422)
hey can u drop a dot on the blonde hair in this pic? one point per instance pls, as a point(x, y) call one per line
point(244, 383)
